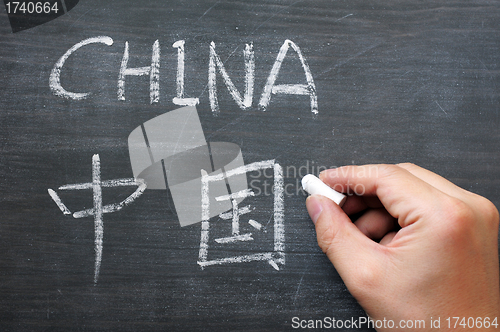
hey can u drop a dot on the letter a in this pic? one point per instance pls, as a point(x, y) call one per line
point(290, 89)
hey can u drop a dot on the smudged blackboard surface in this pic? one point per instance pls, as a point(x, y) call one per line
point(396, 81)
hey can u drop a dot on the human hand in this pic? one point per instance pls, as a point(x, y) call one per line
point(437, 254)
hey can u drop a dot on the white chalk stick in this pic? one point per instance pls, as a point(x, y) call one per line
point(315, 186)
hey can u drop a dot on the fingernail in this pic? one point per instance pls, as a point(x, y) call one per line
point(314, 207)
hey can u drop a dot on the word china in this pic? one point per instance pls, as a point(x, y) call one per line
point(215, 65)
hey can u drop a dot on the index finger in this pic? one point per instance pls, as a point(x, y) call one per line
point(404, 195)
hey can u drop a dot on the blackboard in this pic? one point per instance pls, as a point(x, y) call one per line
point(390, 81)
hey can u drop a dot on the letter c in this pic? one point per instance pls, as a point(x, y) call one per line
point(54, 79)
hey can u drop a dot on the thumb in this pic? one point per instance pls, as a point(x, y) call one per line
point(350, 251)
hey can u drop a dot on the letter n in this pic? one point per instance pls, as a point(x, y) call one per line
point(215, 61)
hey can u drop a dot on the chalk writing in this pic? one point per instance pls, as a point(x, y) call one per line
point(275, 257)
point(244, 102)
point(235, 216)
point(272, 257)
point(98, 209)
point(291, 89)
point(153, 71)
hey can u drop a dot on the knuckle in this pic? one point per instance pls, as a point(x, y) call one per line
point(490, 212)
point(388, 171)
point(389, 168)
point(460, 220)
point(367, 279)
point(467, 220)
point(458, 211)
point(479, 209)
